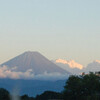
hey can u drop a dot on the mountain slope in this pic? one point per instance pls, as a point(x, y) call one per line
point(34, 61)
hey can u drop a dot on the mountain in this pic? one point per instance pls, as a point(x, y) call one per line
point(35, 63)
point(71, 66)
point(31, 73)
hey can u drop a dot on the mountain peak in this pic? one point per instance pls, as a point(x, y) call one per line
point(34, 61)
point(31, 52)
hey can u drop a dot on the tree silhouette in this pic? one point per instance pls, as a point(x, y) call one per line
point(86, 87)
point(26, 97)
point(49, 95)
point(4, 94)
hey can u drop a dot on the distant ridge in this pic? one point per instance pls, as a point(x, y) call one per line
point(35, 61)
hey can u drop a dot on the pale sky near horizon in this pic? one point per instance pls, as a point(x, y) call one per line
point(67, 29)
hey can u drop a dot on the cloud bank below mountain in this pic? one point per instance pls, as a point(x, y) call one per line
point(6, 72)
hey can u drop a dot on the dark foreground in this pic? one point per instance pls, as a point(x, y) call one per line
point(84, 87)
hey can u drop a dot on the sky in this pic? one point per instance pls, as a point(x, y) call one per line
point(67, 29)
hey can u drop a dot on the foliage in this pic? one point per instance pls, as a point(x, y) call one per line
point(4, 94)
point(49, 95)
point(86, 87)
point(26, 97)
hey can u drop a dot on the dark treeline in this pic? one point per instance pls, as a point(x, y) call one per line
point(47, 95)
point(84, 87)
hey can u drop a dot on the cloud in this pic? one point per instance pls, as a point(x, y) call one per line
point(51, 76)
point(97, 61)
point(71, 63)
point(6, 72)
point(93, 66)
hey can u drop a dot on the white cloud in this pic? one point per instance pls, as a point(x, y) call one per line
point(93, 66)
point(71, 63)
point(97, 61)
point(51, 76)
point(6, 72)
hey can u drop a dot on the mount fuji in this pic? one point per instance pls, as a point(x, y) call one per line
point(32, 73)
point(34, 63)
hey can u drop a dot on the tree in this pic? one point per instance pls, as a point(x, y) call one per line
point(86, 87)
point(4, 94)
point(26, 97)
point(49, 95)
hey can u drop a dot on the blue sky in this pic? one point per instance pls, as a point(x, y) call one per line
point(67, 29)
